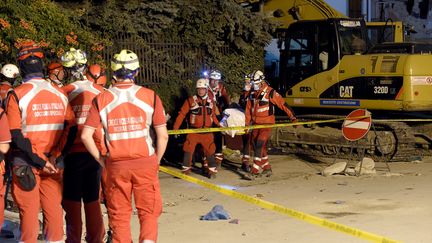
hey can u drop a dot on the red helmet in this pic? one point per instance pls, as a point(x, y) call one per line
point(54, 66)
point(96, 74)
point(29, 48)
point(56, 72)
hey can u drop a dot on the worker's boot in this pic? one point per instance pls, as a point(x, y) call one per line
point(94, 222)
point(219, 157)
point(267, 171)
point(256, 168)
point(245, 164)
point(73, 221)
point(205, 166)
point(186, 170)
point(211, 172)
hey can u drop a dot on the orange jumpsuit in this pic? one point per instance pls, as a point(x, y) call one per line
point(39, 120)
point(244, 97)
point(5, 87)
point(127, 113)
point(5, 137)
point(260, 110)
point(222, 100)
point(82, 173)
point(201, 114)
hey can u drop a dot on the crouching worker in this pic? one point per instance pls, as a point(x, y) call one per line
point(127, 112)
point(200, 110)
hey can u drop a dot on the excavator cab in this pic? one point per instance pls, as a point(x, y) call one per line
point(308, 48)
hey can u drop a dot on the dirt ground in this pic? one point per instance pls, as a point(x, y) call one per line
point(395, 204)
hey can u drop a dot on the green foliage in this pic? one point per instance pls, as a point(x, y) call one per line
point(132, 17)
point(43, 21)
point(211, 25)
point(230, 38)
point(174, 92)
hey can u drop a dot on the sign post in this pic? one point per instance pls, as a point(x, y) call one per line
point(356, 125)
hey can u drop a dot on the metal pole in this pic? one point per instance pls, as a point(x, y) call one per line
point(379, 145)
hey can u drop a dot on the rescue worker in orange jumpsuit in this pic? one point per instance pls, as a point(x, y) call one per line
point(56, 73)
point(8, 75)
point(127, 113)
point(82, 173)
point(200, 110)
point(219, 94)
point(5, 139)
point(96, 74)
point(260, 110)
point(246, 95)
point(42, 126)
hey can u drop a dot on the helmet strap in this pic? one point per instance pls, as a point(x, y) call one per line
point(125, 74)
point(4, 78)
point(94, 77)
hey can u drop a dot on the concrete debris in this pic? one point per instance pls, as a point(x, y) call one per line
point(350, 171)
point(234, 221)
point(367, 167)
point(335, 168)
point(389, 174)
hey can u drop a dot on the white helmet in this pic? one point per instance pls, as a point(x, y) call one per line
point(202, 83)
point(257, 77)
point(10, 71)
point(216, 75)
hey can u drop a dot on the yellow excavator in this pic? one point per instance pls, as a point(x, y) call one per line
point(286, 12)
point(328, 66)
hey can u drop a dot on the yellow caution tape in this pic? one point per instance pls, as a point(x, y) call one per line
point(281, 209)
point(220, 129)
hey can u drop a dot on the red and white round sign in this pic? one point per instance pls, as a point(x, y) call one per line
point(356, 124)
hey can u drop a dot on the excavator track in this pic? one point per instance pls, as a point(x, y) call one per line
point(386, 141)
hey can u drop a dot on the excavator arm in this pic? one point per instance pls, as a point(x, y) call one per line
point(286, 12)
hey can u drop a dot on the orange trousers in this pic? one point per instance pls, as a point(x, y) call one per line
point(143, 182)
point(207, 142)
point(47, 195)
point(259, 139)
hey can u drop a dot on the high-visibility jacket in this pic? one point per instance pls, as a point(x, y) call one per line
point(127, 112)
point(80, 95)
point(260, 108)
point(244, 97)
point(201, 113)
point(220, 96)
point(5, 87)
point(5, 137)
point(39, 119)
